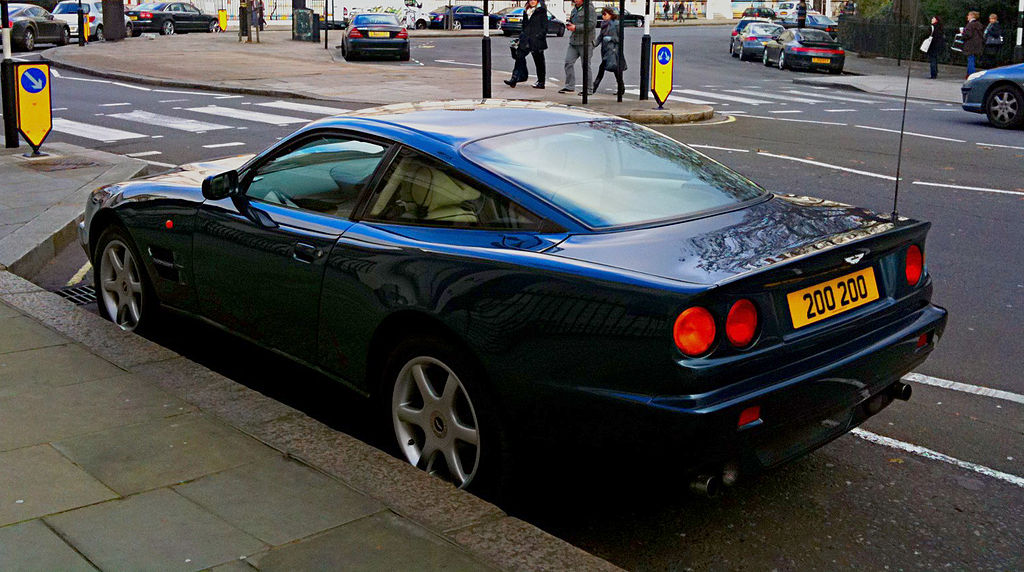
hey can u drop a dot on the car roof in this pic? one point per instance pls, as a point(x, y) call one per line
point(455, 122)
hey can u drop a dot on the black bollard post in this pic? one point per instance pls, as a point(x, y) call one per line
point(587, 45)
point(81, 25)
point(486, 51)
point(645, 56)
point(622, 40)
point(7, 89)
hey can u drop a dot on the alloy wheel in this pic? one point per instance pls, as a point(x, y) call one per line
point(168, 28)
point(120, 285)
point(1004, 107)
point(457, 25)
point(99, 33)
point(764, 58)
point(30, 40)
point(435, 421)
point(782, 60)
point(214, 26)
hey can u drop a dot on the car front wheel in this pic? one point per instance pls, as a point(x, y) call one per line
point(1005, 107)
point(764, 58)
point(442, 416)
point(421, 25)
point(214, 27)
point(65, 37)
point(782, 60)
point(99, 33)
point(124, 293)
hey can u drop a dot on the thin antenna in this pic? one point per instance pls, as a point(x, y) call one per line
point(906, 96)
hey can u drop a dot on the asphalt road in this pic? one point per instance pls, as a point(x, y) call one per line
point(853, 503)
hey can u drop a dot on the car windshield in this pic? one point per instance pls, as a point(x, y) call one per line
point(375, 20)
point(814, 36)
point(821, 20)
point(612, 173)
point(156, 7)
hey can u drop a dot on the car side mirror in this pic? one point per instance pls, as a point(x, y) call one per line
point(222, 186)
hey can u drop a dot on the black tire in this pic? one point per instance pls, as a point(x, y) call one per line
point(492, 445)
point(765, 60)
point(28, 43)
point(149, 306)
point(405, 56)
point(99, 33)
point(128, 31)
point(782, 60)
point(743, 57)
point(421, 25)
point(65, 36)
point(213, 27)
point(835, 71)
point(1004, 107)
point(639, 22)
point(167, 28)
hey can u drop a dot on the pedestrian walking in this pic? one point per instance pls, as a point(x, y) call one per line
point(532, 40)
point(608, 39)
point(974, 40)
point(801, 14)
point(261, 22)
point(936, 43)
point(581, 12)
point(993, 40)
point(665, 9)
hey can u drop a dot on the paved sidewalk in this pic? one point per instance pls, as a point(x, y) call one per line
point(118, 454)
point(41, 198)
point(280, 67)
point(883, 76)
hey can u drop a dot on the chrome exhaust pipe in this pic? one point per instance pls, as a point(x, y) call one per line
point(706, 485)
point(901, 391)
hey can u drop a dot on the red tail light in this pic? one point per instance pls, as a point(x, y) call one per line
point(354, 33)
point(915, 265)
point(735, 33)
point(92, 19)
point(694, 331)
point(741, 324)
point(749, 415)
point(146, 15)
point(816, 51)
point(403, 34)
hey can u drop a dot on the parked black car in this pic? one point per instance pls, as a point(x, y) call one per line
point(805, 48)
point(376, 34)
point(629, 19)
point(32, 24)
point(469, 17)
point(170, 18)
point(759, 12)
point(512, 23)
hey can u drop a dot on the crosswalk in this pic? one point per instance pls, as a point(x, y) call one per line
point(119, 123)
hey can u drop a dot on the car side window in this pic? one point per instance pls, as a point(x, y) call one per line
point(192, 9)
point(325, 175)
point(420, 190)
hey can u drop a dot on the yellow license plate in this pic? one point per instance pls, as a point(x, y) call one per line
point(820, 61)
point(380, 34)
point(133, 17)
point(828, 299)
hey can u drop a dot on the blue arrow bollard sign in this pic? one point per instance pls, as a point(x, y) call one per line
point(664, 56)
point(33, 80)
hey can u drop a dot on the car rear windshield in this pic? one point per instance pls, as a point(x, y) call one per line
point(765, 30)
point(815, 35)
point(821, 20)
point(157, 6)
point(375, 20)
point(612, 173)
point(70, 8)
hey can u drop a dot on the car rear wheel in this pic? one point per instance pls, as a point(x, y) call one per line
point(421, 24)
point(743, 56)
point(99, 33)
point(457, 25)
point(167, 28)
point(29, 41)
point(782, 60)
point(443, 418)
point(65, 36)
point(128, 32)
point(764, 58)
point(404, 56)
point(213, 27)
point(639, 22)
point(1005, 107)
point(124, 293)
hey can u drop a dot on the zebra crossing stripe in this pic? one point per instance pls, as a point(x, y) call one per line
point(180, 123)
point(675, 98)
point(771, 96)
point(725, 97)
point(246, 115)
point(94, 132)
point(837, 97)
point(305, 107)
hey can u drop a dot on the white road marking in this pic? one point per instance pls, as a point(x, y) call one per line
point(718, 148)
point(994, 145)
point(143, 154)
point(796, 120)
point(228, 97)
point(890, 109)
point(716, 96)
point(828, 166)
point(458, 63)
point(219, 145)
point(772, 96)
point(963, 188)
point(787, 111)
point(172, 100)
point(944, 109)
point(179, 123)
point(964, 387)
point(950, 139)
point(130, 86)
point(247, 115)
point(80, 275)
point(839, 110)
point(306, 107)
point(59, 109)
point(159, 164)
point(936, 456)
point(676, 98)
point(114, 104)
point(835, 97)
point(55, 73)
point(94, 132)
point(184, 92)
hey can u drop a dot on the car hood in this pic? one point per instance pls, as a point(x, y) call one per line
point(716, 249)
point(193, 174)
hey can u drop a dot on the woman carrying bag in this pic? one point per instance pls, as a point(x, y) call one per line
point(933, 46)
point(608, 39)
point(532, 40)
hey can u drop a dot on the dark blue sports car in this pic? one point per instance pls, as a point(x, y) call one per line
point(467, 266)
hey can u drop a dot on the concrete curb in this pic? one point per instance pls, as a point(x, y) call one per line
point(850, 87)
point(478, 527)
point(26, 250)
point(669, 116)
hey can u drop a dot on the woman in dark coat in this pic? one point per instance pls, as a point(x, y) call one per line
point(935, 48)
point(608, 39)
point(532, 40)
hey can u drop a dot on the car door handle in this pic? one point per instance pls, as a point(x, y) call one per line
point(306, 252)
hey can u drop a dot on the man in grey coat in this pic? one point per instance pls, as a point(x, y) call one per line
point(578, 43)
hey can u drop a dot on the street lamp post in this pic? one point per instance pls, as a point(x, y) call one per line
point(486, 50)
point(1018, 49)
point(645, 55)
point(81, 25)
point(7, 81)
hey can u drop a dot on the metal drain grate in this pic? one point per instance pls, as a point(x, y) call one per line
point(80, 295)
